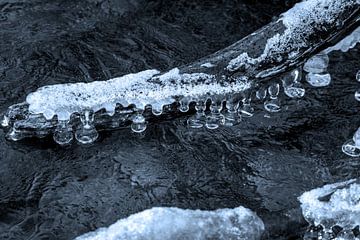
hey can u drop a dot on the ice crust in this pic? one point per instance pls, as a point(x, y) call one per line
point(178, 224)
point(140, 89)
point(333, 205)
point(347, 43)
point(300, 22)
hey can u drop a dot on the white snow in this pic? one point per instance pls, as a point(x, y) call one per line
point(140, 89)
point(162, 223)
point(333, 205)
point(300, 22)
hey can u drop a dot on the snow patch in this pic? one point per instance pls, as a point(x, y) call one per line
point(178, 224)
point(333, 205)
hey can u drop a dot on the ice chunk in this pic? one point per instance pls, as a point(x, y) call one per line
point(333, 205)
point(317, 63)
point(318, 80)
point(178, 224)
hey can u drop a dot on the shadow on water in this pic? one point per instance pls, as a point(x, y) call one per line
point(49, 192)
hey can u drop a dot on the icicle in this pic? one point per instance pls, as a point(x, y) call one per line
point(292, 86)
point(86, 133)
point(231, 113)
point(261, 93)
point(246, 110)
point(273, 104)
point(157, 109)
point(199, 119)
point(352, 146)
point(215, 118)
point(184, 105)
point(63, 133)
point(138, 123)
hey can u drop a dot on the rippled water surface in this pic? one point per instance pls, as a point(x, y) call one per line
point(265, 163)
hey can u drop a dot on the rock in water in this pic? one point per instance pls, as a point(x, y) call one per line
point(333, 205)
point(175, 224)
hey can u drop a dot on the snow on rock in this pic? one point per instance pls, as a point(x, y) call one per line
point(333, 205)
point(162, 223)
point(300, 22)
point(141, 89)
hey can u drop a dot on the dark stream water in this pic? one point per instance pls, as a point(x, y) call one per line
point(49, 192)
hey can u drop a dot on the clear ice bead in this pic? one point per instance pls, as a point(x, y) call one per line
point(231, 113)
point(87, 132)
point(184, 105)
point(292, 86)
point(215, 118)
point(261, 93)
point(318, 80)
point(63, 133)
point(317, 63)
point(246, 110)
point(272, 105)
point(273, 90)
point(157, 109)
point(350, 149)
point(294, 90)
point(358, 76)
point(199, 119)
point(138, 123)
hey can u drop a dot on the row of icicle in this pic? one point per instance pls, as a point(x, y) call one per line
point(227, 112)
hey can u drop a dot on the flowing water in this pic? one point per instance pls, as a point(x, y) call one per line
point(265, 163)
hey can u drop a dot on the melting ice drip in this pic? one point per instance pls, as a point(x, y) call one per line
point(220, 85)
point(335, 208)
point(178, 224)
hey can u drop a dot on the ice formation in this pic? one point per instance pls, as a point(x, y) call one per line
point(140, 89)
point(292, 84)
point(347, 43)
point(178, 224)
point(298, 31)
point(318, 79)
point(352, 146)
point(218, 84)
point(333, 205)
